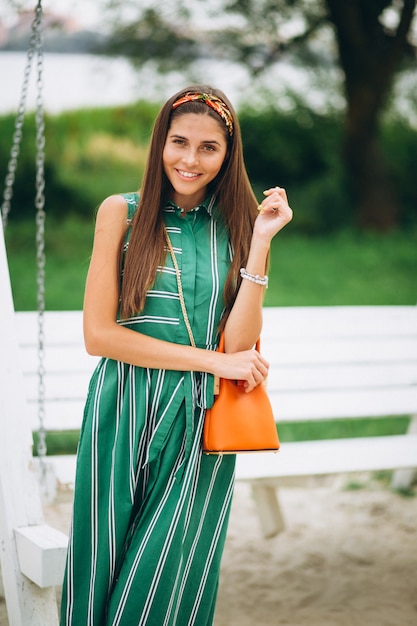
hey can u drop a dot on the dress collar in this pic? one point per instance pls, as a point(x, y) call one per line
point(207, 204)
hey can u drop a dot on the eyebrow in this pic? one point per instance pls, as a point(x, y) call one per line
point(206, 141)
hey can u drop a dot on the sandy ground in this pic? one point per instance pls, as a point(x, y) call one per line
point(346, 558)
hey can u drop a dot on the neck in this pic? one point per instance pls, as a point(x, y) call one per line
point(187, 203)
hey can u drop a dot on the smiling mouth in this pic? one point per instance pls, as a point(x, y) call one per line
point(189, 175)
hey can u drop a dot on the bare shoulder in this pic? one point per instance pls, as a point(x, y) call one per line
point(113, 206)
point(112, 213)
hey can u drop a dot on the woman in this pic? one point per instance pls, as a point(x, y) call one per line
point(150, 510)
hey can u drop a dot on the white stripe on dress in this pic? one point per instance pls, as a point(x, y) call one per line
point(94, 495)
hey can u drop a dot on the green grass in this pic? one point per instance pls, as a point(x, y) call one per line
point(58, 442)
point(65, 442)
point(68, 249)
point(347, 268)
point(342, 428)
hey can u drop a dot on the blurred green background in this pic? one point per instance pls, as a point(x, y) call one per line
point(321, 258)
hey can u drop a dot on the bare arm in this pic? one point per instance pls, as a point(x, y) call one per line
point(245, 320)
point(104, 337)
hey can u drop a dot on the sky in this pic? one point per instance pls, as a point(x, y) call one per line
point(86, 11)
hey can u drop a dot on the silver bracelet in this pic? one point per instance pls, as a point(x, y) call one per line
point(254, 278)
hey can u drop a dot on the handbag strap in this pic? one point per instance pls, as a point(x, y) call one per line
point(180, 291)
point(184, 308)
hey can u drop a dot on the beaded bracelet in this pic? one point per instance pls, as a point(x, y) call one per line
point(259, 280)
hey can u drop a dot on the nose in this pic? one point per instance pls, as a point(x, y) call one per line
point(191, 156)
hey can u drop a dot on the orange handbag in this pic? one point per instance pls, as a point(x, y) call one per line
point(237, 421)
point(240, 421)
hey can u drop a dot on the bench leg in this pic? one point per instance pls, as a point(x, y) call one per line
point(269, 511)
point(403, 478)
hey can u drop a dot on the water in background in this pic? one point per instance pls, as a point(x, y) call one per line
point(74, 81)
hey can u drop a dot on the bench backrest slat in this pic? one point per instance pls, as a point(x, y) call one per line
point(324, 362)
point(340, 321)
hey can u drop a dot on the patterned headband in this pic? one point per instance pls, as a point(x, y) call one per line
point(212, 101)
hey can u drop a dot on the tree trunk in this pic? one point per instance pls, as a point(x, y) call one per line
point(374, 197)
point(369, 57)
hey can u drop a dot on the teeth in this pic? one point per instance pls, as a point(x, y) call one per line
point(188, 174)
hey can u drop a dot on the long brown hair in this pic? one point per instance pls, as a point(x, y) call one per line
point(234, 197)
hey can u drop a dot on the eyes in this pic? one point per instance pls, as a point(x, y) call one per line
point(205, 147)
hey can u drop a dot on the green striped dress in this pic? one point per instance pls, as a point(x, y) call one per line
point(150, 510)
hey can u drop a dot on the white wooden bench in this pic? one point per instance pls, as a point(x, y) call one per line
point(325, 363)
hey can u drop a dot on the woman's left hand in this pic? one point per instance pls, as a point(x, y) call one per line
point(274, 212)
point(245, 320)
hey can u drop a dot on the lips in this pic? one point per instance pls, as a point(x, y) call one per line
point(188, 175)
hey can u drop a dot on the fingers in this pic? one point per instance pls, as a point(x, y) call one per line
point(256, 378)
point(276, 202)
point(276, 197)
point(249, 367)
point(277, 191)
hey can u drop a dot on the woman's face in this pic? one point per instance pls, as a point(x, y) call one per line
point(194, 151)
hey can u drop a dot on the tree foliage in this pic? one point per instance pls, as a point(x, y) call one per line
point(370, 41)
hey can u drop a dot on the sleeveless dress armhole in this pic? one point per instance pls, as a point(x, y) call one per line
point(132, 200)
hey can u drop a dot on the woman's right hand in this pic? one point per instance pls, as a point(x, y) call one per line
point(248, 366)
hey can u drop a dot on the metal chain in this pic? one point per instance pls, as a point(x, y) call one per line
point(40, 234)
point(35, 47)
point(17, 135)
